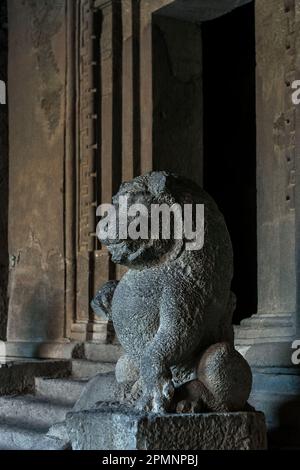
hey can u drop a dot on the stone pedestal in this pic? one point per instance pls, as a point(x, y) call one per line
point(117, 427)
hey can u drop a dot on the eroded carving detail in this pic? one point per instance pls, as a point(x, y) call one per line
point(87, 163)
point(46, 21)
point(289, 143)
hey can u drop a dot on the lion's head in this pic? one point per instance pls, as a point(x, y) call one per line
point(150, 192)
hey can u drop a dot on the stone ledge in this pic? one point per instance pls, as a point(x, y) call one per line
point(41, 349)
point(117, 427)
point(18, 376)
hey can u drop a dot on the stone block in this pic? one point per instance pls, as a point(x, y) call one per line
point(101, 388)
point(118, 427)
point(18, 375)
point(102, 352)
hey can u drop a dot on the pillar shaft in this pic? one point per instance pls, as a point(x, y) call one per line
point(268, 335)
point(36, 171)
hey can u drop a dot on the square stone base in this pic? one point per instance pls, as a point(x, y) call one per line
point(117, 427)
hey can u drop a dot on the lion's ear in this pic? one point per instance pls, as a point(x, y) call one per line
point(157, 182)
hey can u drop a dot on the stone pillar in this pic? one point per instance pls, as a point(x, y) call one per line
point(115, 128)
point(86, 166)
point(266, 338)
point(99, 152)
point(297, 167)
point(3, 175)
point(37, 206)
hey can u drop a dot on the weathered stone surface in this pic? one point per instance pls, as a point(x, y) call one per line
point(119, 428)
point(69, 388)
point(266, 338)
point(51, 443)
point(3, 175)
point(19, 376)
point(102, 352)
point(276, 55)
point(55, 439)
point(38, 412)
point(101, 388)
point(84, 368)
point(36, 169)
point(173, 309)
point(25, 419)
point(43, 349)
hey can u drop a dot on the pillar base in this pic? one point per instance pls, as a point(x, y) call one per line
point(265, 340)
point(39, 349)
point(276, 392)
point(89, 350)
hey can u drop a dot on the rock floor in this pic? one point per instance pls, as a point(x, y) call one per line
point(26, 418)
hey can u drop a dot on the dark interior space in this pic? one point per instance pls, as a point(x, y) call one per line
point(230, 140)
point(177, 96)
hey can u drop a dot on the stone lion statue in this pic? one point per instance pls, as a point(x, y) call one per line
point(172, 310)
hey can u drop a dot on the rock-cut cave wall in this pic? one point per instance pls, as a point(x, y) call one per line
point(3, 174)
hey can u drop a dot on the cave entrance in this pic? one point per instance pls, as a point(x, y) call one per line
point(204, 121)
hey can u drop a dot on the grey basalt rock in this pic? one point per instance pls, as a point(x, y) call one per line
point(172, 311)
point(115, 427)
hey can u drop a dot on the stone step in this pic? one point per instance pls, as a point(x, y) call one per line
point(18, 375)
point(15, 435)
point(102, 352)
point(68, 389)
point(82, 368)
point(26, 419)
point(282, 380)
point(266, 334)
point(71, 388)
point(280, 409)
point(261, 321)
point(18, 436)
point(101, 388)
point(282, 413)
point(33, 411)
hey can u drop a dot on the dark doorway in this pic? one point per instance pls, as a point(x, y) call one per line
point(177, 96)
point(230, 140)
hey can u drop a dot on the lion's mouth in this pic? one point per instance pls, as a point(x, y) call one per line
point(116, 243)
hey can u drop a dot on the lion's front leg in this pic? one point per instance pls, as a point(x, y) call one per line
point(178, 336)
point(102, 302)
point(157, 385)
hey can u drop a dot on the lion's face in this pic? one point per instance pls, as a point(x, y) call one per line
point(144, 251)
